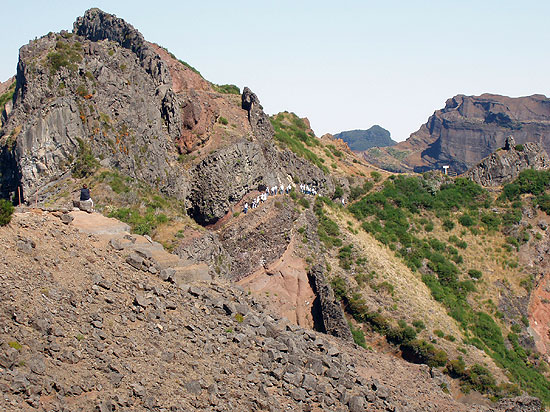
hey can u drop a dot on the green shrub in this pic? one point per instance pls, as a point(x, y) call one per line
point(345, 256)
point(475, 274)
point(339, 287)
point(15, 345)
point(334, 151)
point(419, 325)
point(384, 286)
point(328, 231)
point(448, 224)
point(64, 55)
point(420, 351)
point(304, 202)
point(291, 131)
point(7, 96)
point(358, 336)
point(519, 147)
point(357, 191)
point(141, 223)
point(223, 120)
point(338, 192)
point(115, 181)
point(401, 335)
point(226, 88)
point(376, 176)
point(543, 202)
point(85, 163)
point(491, 220)
point(6, 212)
point(466, 220)
point(515, 328)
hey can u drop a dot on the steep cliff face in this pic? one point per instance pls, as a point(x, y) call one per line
point(227, 174)
point(506, 164)
point(466, 130)
point(104, 92)
point(100, 87)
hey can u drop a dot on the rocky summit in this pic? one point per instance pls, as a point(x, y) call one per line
point(234, 261)
point(466, 130)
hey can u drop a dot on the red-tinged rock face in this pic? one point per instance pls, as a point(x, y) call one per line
point(199, 110)
point(468, 129)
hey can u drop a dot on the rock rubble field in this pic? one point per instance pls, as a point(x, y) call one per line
point(85, 328)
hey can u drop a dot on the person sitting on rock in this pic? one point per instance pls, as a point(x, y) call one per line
point(85, 198)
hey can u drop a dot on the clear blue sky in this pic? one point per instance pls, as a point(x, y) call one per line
point(344, 65)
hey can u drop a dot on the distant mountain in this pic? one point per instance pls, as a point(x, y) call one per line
point(361, 140)
point(466, 130)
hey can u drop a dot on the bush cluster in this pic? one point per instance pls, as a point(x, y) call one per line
point(141, 223)
point(6, 212)
point(226, 88)
point(85, 163)
point(66, 54)
point(328, 231)
point(291, 131)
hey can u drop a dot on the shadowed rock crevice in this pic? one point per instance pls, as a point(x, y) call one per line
point(332, 315)
point(316, 308)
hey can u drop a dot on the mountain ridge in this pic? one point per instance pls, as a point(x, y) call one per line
point(468, 129)
point(337, 246)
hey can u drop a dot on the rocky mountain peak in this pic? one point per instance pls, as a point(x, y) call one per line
point(467, 129)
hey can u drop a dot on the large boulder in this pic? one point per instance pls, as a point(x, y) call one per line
point(506, 164)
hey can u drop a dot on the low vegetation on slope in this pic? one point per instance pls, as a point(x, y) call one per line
point(402, 215)
point(291, 131)
point(7, 96)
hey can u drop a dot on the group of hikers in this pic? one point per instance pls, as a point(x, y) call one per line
point(277, 190)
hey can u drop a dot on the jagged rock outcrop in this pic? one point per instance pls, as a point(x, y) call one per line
point(466, 130)
point(226, 175)
point(505, 165)
point(103, 90)
point(102, 87)
point(331, 313)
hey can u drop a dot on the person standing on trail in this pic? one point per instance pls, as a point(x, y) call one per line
point(245, 208)
point(85, 196)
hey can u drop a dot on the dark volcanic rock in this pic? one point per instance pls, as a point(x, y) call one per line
point(361, 140)
point(332, 315)
point(468, 129)
point(101, 86)
point(226, 175)
point(506, 164)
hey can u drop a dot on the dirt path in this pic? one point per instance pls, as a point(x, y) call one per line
point(97, 224)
